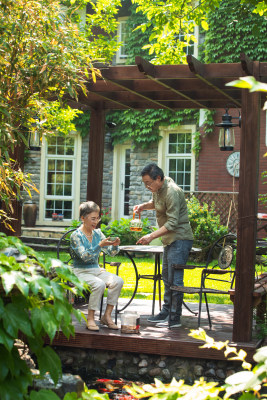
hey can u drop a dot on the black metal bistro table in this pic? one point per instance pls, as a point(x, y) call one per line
point(130, 252)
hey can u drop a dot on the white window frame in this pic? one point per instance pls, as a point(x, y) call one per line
point(118, 159)
point(121, 58)
point(164, 156)
point(75, 198)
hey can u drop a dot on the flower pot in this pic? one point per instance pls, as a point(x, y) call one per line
point(29, 213)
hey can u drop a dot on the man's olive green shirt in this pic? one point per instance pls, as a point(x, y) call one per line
point(171, 212)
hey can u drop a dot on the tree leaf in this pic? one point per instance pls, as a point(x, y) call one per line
point(6, 339)
point(43, 394)
point(48, 321)
point(49, 361)
point(16, 318)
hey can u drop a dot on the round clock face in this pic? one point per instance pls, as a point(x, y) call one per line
point(232, 164)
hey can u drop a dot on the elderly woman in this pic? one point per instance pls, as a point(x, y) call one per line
point(86, 244)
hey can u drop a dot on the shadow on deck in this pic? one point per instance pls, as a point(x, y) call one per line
point(162, 341)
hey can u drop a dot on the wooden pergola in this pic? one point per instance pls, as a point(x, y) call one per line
point(198, 86)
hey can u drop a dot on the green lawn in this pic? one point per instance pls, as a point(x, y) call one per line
point(145, 286)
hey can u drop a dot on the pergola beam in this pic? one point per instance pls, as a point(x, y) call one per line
point(148, 70)
point(198, 69)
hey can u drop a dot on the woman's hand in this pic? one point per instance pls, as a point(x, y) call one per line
point(108, 242)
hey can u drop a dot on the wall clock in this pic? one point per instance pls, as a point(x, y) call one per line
point(232, 164)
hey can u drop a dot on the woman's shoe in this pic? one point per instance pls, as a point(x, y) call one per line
point(92, 327)
point(110, 325)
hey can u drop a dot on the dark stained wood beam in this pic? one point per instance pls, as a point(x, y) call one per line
point(138, 95)
point(96, 155)
point(246, 64)
point(247, 216)
point(148, 69)
point(112, 100)
point(198, 69)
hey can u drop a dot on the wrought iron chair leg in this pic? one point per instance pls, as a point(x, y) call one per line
point(208, 311)
point(199, 309)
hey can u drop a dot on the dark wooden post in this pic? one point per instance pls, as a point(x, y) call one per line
point(96, 156)
point(247, 216)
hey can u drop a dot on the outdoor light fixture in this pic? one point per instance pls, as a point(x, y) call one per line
point(34, 137)
point(111, 125)
point(108, 138)
point(226, 134)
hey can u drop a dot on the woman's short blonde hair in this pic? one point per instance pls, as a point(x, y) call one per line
point(87, 207)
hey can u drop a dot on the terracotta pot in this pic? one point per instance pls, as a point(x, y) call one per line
point(29, 213)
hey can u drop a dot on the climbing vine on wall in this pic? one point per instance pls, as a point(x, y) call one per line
point(234, 29)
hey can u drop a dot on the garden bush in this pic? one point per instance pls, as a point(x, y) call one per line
point(121, 228)
point(205, 223)
point(33, 304)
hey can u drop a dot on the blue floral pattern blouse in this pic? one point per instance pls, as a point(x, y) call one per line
point(85, 254)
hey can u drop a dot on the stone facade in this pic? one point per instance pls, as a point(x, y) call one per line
point(91, 364)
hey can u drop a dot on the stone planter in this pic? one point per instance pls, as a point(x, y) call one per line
point(29, 213)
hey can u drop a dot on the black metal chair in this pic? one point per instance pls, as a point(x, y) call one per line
point(218, 268)
point(64, 253)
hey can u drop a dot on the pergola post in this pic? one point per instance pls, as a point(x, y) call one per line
point(247, 217)
point(96, 155)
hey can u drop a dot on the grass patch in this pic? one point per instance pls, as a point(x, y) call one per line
point(145, 286)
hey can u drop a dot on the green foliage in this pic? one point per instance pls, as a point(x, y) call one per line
point(242, 385)
point(205, 223)
point(246, 30)
point(82, 123)
point(46, 55)
point(33, 303)
point(142, 127)
point(168, 20)
point(121, 228)
point(105, 215)
point(135, 38)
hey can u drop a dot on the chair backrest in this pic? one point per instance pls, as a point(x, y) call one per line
point(64, 252)
point(223, 251)
point(63, 247)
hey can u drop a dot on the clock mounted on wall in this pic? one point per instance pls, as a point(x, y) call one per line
point(232, 164)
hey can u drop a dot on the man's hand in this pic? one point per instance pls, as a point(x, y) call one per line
point(144, 240)
point(138, 208)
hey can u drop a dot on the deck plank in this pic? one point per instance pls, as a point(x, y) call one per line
point(161, 341)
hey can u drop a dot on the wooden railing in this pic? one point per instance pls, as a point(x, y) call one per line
point(225, 204)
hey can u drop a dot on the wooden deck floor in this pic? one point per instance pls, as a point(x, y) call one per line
point(161, 341)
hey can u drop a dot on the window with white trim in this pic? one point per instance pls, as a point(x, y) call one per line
point(121, 55)
point(176, 156)
point(60, 174)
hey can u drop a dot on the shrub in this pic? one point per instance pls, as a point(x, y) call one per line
point(105, 215)
point(121, 228)
point(33, 304)
point(205, 223)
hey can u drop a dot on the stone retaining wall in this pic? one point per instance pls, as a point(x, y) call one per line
point(90, 364)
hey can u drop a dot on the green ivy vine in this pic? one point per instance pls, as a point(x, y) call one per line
point(234, 29)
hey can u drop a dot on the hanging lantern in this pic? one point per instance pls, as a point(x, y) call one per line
point(34, 138)
point(226, 134)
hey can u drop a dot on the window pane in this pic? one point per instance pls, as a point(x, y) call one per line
point(60, 165)
point(59, 176)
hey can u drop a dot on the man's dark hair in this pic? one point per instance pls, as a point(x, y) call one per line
point(153, 170)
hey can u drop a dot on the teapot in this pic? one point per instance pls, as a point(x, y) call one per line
point(136, 224)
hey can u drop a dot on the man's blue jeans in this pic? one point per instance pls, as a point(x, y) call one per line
point(175, 253)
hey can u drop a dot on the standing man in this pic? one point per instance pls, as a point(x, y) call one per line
point(172, 217)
